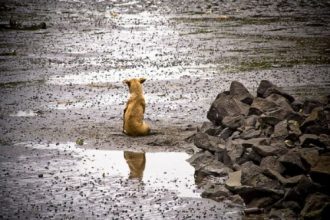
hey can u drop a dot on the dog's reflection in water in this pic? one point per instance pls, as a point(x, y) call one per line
point(136, 162)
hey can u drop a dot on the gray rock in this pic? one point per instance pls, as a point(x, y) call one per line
point(309, 155)
point(294, 127)
point(210, 129)
point(255, 141)
point(226, 133)
point(280, 101)
point(233, 122)
point(316, 122)
point(201, 159)
point(281, 130)
point(249, 170)
point(266, 88)
point(223, 157)
point(235, 150)
point(310, 140)
point(309, 105)
point(210, 143)
point(317, 206)
point(250, 121)
point(271, 162)
point(216, 192)
point(253, 156)
point(234, 179)
point(292, 163)
point(287, 182)
point(268, 150)
point(299, 192)
point(261, 202)
point(276, 115)
point(282, 214)
point(249, 193)
point(297, 105)
point(252, 175)
point(214, 168)
point(260, 105)
point(226, 105)
point(266, 120)
point(251, 133)
point(292, 205)
point(238, 91)
point(320, 173)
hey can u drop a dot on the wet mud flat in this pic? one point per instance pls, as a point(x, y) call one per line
point(64, 83)
point(94, 184)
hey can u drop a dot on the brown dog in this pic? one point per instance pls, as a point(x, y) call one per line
point(134, 111)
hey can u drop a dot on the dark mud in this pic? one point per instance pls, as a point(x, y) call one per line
point(64, 82)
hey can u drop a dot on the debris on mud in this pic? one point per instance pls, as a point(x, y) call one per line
point(246, 143)
point(15, 25)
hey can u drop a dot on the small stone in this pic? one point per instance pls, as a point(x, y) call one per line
point(234, 179)
point(80, 141)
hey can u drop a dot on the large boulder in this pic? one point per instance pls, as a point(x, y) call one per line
point(239, 92)
point(267, 88)
point(226, 105)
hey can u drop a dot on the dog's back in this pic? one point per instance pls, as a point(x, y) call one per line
point(134, 111)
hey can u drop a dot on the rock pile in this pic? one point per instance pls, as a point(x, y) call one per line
point(273, 151)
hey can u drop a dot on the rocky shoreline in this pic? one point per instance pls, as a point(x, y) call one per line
point(269, 152)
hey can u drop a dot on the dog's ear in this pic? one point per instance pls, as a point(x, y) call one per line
point(128, 82)
point(141, 80)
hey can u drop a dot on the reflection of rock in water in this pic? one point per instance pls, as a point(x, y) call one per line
point(136, 162)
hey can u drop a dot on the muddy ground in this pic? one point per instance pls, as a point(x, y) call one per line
point(64, 83)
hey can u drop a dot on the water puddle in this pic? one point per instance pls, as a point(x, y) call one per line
point(156, 170)
point(27, 113)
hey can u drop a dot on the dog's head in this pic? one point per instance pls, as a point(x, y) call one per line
point(135, 84)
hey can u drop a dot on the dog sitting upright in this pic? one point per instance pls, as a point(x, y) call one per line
point(134, 111)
